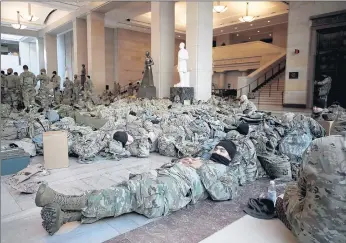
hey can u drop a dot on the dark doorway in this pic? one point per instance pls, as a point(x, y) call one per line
point(331, 61)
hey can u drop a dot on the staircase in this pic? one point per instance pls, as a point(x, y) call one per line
point(271, 94)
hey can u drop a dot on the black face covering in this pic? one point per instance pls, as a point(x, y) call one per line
point(220, 159)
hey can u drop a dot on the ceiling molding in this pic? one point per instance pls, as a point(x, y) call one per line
point(12, 31)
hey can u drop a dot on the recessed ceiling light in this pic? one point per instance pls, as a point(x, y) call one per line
point(178, 35)
point(268, 21)
point(251, 24)
point(270, 34)
point(235, 28)
point(237, 34)
point(221, 30)
point(249, 38)
point(258, 31)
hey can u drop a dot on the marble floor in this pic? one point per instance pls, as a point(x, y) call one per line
point(20, 218)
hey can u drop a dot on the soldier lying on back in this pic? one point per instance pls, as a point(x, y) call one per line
point(153, 194)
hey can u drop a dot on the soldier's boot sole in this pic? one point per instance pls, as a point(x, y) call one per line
point(52, 218)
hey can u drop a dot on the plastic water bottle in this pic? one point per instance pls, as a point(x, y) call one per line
point(272, 192)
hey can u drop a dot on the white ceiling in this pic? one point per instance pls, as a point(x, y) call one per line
point(40, 9)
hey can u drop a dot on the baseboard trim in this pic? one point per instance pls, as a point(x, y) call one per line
point(294, 106)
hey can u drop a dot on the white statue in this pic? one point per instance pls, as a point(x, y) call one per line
point(183, 56)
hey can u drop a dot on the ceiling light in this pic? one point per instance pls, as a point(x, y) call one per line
point(18, 25)
point(237, 34)
point(221, 30)
point(258, 31)
point(251, 24)
point(178, 35)
point(249, 38)
point(247, 17)
point(235, 28)
point(268, 21)
point(270, 34)
point(30, 17)
point(218, 8)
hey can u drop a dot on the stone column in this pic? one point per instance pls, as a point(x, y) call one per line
point(50, 51)
point(80, 45)
point(199, 40)
point(40, 52)
point(162, 46)
point(115, 70)
point(61, 56)
point(96, 50)
point(221, 80)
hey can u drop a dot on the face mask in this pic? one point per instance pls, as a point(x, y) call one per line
point(220, 159)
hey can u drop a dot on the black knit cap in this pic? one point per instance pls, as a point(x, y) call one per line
point(243, 128)
point(121, 137)
point(229, 146)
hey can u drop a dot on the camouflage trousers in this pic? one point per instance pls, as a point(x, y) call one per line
point(11, 97)
point(57, 97)
point(29, 96)
point(147, 194)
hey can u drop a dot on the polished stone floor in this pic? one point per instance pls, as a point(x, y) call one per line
point(20, 218)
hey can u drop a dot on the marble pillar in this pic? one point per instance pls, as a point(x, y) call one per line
point(162, 46)
point(221, 84)
point(199, 40)
point(80, 45)
point(50, 52)
point(40, 52)
point(96, 50)
point(61, 56)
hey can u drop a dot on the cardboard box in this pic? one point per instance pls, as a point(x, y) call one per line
point(55, 150)
point(327, 125)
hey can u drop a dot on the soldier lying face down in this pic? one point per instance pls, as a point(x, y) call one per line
point(153, 194)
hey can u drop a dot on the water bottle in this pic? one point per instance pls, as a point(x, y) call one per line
point(272, 192)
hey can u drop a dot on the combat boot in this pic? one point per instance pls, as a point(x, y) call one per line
point(53, 217)
point(46, 195)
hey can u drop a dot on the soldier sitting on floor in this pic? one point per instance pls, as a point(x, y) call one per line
point(153, 194)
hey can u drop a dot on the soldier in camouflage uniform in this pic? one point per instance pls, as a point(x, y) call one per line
point(153, 194)
point(88, 88)
point(68, 91)
point(43, 92)
point(11, 89)
point(322, 91)
point(56, 87)
point(77, 87)
point(314, 208)
point(28, 83)
point(246, 107)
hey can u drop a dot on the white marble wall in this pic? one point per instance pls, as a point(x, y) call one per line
point(80, 45)
point(299, 37)
point(40, 52)
point(109, 45)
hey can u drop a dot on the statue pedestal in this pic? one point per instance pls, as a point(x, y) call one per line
point(147, 92)
point(186, 94)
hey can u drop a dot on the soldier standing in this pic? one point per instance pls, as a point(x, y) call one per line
point(77, 87)
point(28, 83)
point(88, 88)
point(43, 92)
point(68, 89)
point(83, 73)
point(56, 87)
point(11, 88)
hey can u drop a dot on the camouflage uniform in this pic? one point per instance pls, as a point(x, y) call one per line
point(117, 89)
point(28, 83)
point(315, 206)
point(163, 191)
point(323, 88)
point(56, 88)
point(68, 91)
point(12, 90)
point(77, 87)
point(88, 89)
point(43, 92)
point(247, 107)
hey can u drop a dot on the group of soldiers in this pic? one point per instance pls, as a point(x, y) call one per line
point(20, 90)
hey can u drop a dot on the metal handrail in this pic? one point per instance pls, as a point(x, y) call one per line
point(265, 77)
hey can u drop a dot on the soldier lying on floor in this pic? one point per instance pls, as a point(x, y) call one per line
point(153, 194)
point(314, 207)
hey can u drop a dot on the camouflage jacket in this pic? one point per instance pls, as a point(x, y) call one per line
point(44, 81)
point(315, 206)
point(11, 82)
point(56, 81)
point(27, 80)
point(247, 107)
point(218, 181)
point(324, 86)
